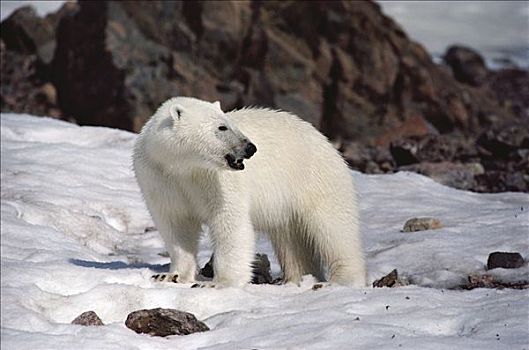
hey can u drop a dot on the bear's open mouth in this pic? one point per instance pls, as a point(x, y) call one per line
point(234, 163)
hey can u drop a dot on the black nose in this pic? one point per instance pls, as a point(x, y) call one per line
point(249, 150)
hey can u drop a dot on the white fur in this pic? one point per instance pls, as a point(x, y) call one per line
point(296, 188)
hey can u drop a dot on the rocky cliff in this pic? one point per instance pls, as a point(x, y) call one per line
point(344, 66)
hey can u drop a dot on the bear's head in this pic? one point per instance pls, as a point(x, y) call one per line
point(201, 133)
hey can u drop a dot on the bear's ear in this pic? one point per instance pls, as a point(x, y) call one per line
point(217, 104)
point(176, 111)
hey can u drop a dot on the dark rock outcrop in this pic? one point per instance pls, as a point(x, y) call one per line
point(346, 68)
point(511, 87)
point(27, 33)
point(22, 90)
point(352, 72)
point(458, 175)
point(27, 47)
point(163, 322)
point(467, 65)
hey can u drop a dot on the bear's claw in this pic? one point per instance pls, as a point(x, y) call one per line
point(205, 284)
point(165, 277)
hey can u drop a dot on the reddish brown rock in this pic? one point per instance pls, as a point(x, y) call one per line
point(511, 87)
point(346, 68)
point(27, 47)
point(468, 65)
point(164, 322)
point(88, 318)
point(390, 280)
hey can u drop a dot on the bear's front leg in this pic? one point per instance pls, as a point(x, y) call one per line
point(181, 240)
point(234, 245)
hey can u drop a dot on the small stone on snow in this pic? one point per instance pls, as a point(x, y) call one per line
point(422, 224)
point(505, 260)
point(88, 318)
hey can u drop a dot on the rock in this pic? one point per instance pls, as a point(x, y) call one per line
point(511, 87)
point(504, 260)
point(503, 140)
point(48, 94)
point(368, 159)
point(414, 126)
point(110, 80)
point(467, 65)
point(25, 32)
point(348, 69)
point(21, 90)
point(421, 224)
point(504, 153)
point(88, 318)
point(133, 63)
point(480, 281)
point(457, 175)
point(27, 45)
point(502, 180)
point(261, 269)
point(404, 152)
point(432, 149)
point(390, 280)
point(488, 281)
point(163, 322)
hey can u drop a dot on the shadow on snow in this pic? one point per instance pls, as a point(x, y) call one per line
point(119, 265)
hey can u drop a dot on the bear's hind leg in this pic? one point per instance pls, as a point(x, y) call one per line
point(286, 250)
point(310, 258)
point(339, 246)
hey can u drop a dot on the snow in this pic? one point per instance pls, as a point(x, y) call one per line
point(76, 236)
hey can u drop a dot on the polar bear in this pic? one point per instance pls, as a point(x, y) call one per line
point(246, 171)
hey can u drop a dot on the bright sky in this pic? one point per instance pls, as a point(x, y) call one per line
point(483, 25)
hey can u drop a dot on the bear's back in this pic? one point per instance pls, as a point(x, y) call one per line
point(294, 166)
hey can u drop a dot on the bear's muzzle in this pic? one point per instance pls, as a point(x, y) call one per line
point(235, 159)
point(234, 163)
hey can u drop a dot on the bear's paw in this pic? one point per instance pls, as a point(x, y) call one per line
point(165, 277)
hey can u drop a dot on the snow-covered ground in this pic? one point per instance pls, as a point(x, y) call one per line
point(74, 238)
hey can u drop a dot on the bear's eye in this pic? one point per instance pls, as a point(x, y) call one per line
point(223, 128)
